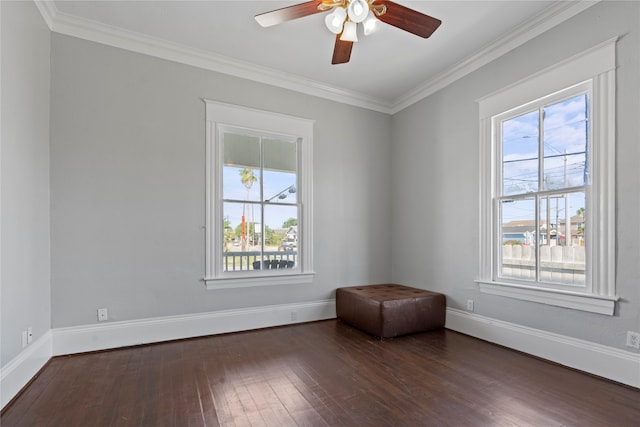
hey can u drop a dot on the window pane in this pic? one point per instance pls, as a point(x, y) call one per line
point(565, 143)
point(518, 230)
point(520, 154)
point(280, 167)
point(281, 231)
point(241, 171)
point(280, 187)
point(280, 155)
point(562, 252)
point(242, 235)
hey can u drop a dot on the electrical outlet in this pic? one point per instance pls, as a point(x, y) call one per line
point(24, 339)
point(294, 316)
point(633, 339)
point(470, 305)
point(102, 315)
point(29, 335)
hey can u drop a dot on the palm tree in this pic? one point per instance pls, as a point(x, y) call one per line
point(247, 178)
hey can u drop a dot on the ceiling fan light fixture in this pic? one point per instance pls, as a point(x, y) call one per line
point(343, 17)
point(370, 24)
point(358, 10)
point(335, 20)
point(349, 33)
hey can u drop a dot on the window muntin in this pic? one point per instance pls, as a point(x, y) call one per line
point(542, 190)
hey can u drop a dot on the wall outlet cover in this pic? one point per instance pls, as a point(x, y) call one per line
point(470, 304)
point(633, 339)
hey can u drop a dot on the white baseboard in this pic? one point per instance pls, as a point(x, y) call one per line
point(22, 368)
point(614, 364)
point(121, 334)
point(607, 362)
point(19, 371)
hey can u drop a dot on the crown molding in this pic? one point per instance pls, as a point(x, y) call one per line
point(66, 24)
point(48, 11)
point(554, 15)
point(62, 23)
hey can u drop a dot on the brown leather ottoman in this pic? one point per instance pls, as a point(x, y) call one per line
point(390, 310)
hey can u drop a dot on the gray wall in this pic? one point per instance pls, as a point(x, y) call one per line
point(436, 171)
point(127, 183)
point(128, 186)
point(25, 256)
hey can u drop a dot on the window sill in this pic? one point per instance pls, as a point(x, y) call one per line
point(246, 281)
point(574, 300)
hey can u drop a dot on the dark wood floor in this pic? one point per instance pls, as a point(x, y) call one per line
point(318, 374)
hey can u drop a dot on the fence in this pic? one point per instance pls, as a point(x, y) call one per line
point(243, 261)
point(560, 264)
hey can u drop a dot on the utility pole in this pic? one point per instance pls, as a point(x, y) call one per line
point(567, 213)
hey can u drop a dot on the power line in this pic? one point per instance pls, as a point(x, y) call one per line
point(545, 157)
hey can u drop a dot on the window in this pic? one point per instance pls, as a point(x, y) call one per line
point(542, 187)
point(258, 198)
point(547, 186)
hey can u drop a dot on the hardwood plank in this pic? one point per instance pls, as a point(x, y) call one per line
point(318, 374)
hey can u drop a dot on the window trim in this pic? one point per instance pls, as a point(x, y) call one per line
point(221, 114)
point(497, 121)
point(598, 66)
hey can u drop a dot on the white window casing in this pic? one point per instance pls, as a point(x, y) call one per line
point(219, 115)
point(596, 67)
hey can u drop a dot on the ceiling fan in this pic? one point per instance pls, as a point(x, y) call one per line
point(347, 14)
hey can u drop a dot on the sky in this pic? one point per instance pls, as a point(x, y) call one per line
point(564, 159)
point(274, 182)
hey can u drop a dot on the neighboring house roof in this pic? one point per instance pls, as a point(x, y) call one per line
point(517, 229)
point(531, 223)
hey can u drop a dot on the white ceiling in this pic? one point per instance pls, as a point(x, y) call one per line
point(389, 69)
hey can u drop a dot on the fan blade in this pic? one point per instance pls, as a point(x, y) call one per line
point(279, 16)
point(408, 19)
point(341, 51)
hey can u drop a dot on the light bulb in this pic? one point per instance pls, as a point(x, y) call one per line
point(370, 24)
point(349, 33)
point(358, 10)
point(335, 19)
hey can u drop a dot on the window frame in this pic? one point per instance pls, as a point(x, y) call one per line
point(497, 122)
point(220, 115)
point(594, 67)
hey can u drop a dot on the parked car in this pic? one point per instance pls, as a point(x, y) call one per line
point(288, 244)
